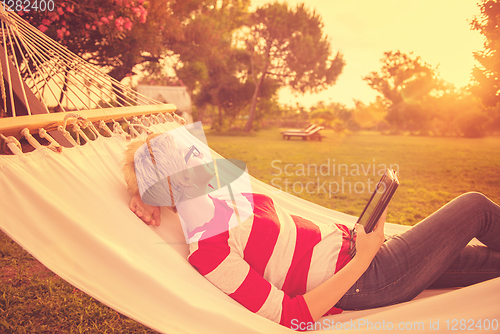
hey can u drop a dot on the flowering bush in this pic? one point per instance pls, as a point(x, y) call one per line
point(78, 22)
point(110, 33)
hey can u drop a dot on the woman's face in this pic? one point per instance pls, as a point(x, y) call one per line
point(202, 166)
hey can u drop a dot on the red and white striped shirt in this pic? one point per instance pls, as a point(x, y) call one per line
point(271, 259)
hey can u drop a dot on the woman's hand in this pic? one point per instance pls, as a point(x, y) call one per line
point(320, 299)
point(367, 245)
point(148, 214)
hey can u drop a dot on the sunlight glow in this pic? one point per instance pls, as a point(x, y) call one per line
point(437, 31)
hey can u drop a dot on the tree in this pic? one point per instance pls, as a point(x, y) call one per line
point(486, 84)
point(405, 83)
point(371, 116)
point(288, 45)
point(209, 63)
point(487, 76)
point(334, 115)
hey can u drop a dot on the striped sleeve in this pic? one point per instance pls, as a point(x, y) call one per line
point(244, 284)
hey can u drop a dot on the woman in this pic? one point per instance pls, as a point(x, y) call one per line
point(287, 268)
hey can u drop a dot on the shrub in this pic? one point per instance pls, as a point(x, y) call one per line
point(473, 124)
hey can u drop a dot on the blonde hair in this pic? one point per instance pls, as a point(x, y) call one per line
point(169, 161)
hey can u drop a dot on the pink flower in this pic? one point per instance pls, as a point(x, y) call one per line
point(67, 33)
point(46, 22)
point(93, 27)
point(128, 24)
point(42, 28)
point(60, 11)
point(60, 33)
point(53, 16)
point(70, 9)
point(119, 23)
point(104, 20)
point(144, 14)
point(87, 26)
point(136, 11)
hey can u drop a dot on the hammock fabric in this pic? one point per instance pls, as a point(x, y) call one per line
point(70, 210)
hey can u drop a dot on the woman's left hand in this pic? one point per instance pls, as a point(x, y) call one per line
point(320, 299)
point(148, 214)
point(367, 245)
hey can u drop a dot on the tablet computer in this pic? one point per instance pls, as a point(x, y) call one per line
point(379, 200)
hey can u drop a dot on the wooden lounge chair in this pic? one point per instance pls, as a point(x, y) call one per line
point(312, 133)
point(309, 128)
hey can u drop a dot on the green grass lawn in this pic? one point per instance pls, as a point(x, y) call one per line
point(432, 172)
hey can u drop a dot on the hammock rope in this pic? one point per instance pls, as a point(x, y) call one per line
point(2, 87)
point(9, 80)
point(27, 104)
point(67, 64)
point(31, 140)
point(39, 71)
point(13, 144)
point(78, 123)
point(25, 61)
point(49, 68)
point(53, 144)
point(103, 125)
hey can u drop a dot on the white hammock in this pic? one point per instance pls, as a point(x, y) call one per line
point(70, 211)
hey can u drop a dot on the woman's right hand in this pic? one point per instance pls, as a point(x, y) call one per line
point(367, 245)
point(148, 214)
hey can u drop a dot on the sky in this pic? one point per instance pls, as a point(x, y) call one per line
point(362, 30)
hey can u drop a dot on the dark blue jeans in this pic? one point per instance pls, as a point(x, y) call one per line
point(433, 254)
